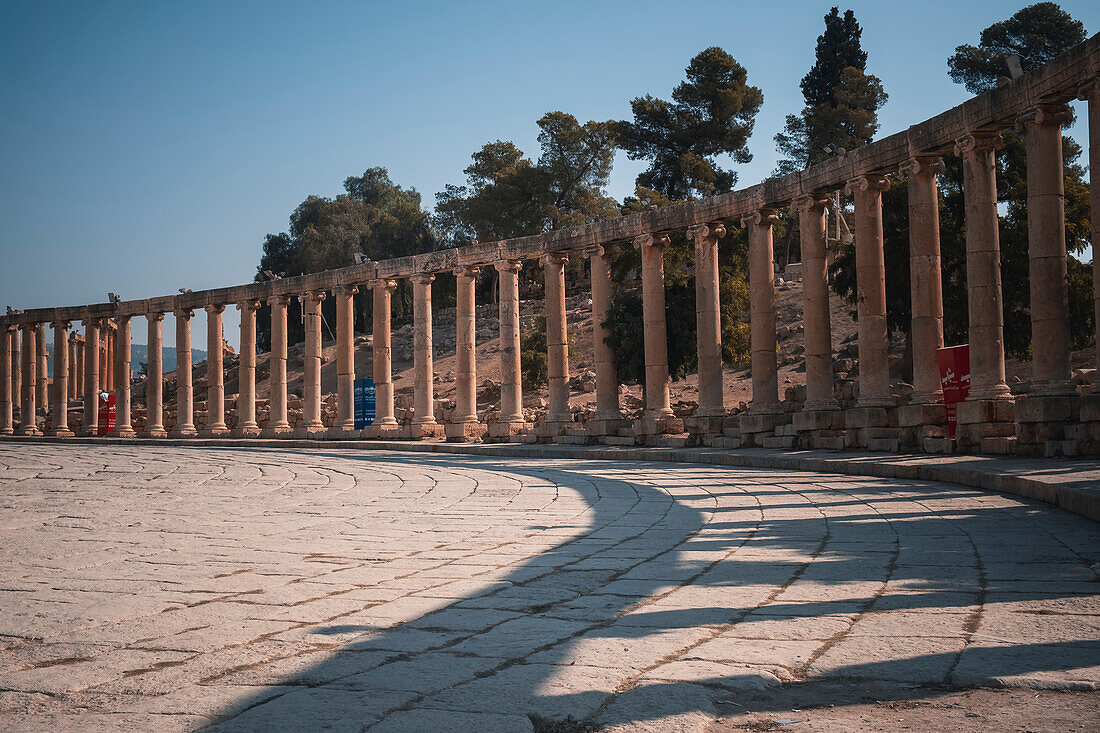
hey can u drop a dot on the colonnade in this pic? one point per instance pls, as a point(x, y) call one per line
point(992, 419)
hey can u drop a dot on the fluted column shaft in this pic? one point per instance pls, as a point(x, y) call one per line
point(423, 370)
point(655, 339)
point(765, 369)
point(1046, 243)
point(466, 346)
point(311, 384)
point(607, 379)
point(246, 371)
point(874, 373)
point(557, 337)
point(983, 266)
point(28, 412)
point(817, 321)
point(924, 276)
point(345, 358)
point(708, 330)
point(511, 383)
point(276, 385)
point(185, 405)
point(1090, 91)
point(215, 379)
point(90, 423)
point(42, 377)
point(382, 292)
point(154, 378)
point(6, 414)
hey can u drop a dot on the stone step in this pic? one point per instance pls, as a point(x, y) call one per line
point(670, 441)
point(725, 442)
point(999, 446)
point(777, 441)
point(888, 445)
point(945, 446)
point(617, 440)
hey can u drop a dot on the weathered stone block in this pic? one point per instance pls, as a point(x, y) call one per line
point(603, 427)
point(507, 429)
point(980, 411)
point(464, 432)
point(945, 446)
point(669, 441)
point(1001, 446)
point(758, 422)
point(867, 417)
point(617, 439)
point(785, 431)
point(703, 425)
point(1090, 408)
point(888, 445)
point(827, 442)
point(930, 414)
point(1047, 408)
point(658, 426)
point(725, 442)
point(818, 420)
point(782, 442)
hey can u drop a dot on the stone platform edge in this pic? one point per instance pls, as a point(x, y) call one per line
point(1070, 484)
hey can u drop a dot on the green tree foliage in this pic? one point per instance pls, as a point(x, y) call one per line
point(711, 113)
point(842, 100)
point(1036, 34)
point(374, 216)
point(533, 363)
point(507, 195)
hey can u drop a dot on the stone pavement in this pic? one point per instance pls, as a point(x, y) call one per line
point(177, 588)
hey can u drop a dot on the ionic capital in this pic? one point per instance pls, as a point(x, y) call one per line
point(1044, 114)
point(248, 305)
point(279, 300)
point(467, 271)
point(973, 142)
point(346, 289)
point(599, 250)
point(811, 202)
point(183, 313)
point(214, 310)
point(61, 324)
point(512, 266)
point(154, 316)
point(120, 321)
point(867, 182)
point(760, 217)
point(713, 231)
point(921, 165)
point(659, 241)
point(554, 259)
point(312, 297)
point(1090, 90)
point(423, 278)
point(382, 284)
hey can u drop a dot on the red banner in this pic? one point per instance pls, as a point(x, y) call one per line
point(106, 414)
point(954, 379)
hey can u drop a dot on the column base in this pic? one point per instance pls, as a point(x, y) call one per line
point(7, 431)
point(423, 431)
point(215, 432)
point(382, 431)
point(809, 420)
point(464, 432)
point(1049, 425)
point(985, 424)
point(277, 431)
point(158, 432)
point(343, 432)
point(30, 431)
point(184, 433)
point(604, 426)
point(872, 427)
point(246, 431)
point(311, 432)
point(705, 424)
point(127, 433)
point(658, 424)
point(924, 413)
point(61, 433)
point(554, 428)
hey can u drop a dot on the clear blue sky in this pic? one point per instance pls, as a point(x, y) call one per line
point(151, 146)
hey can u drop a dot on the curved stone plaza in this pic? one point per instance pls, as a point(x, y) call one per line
point(164, 588)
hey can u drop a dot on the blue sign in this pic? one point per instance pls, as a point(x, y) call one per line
point(364, 403)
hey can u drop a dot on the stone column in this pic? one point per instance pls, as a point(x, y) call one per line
point(80, 351)
point(1090, 91)
point(607, 419)
point(874, 373)
point(464, 425)
point(924, 278)
point(658, 406)
point(511, 420)
point(42, 377)
point(215, 379)
point(817, 321)
point(28, 414)
point(277, 423)
point(765, 369)
point(557, 337)
point(384, 419)
point(104, 360)
point(90, 423)
point(123, 427)
point(708, 334)
point(345, 360)
point(312, 426)
point(185, 406)
point(16, 370)
point(246, 372)
point(423, 422)
point(61, 386)
point(72, 349)
point(154, 378)
point(107, 364)
point(6, 415)
point(1046, 236)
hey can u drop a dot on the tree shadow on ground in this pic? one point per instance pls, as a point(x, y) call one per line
point(545, 640)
